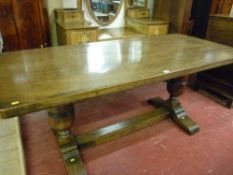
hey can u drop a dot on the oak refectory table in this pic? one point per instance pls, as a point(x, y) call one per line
point(55, 78)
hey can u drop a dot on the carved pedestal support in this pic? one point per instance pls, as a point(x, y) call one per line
point(175, 88)
point(61, 120)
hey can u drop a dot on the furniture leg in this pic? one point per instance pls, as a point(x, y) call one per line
point(61, 120)
point(175, 88)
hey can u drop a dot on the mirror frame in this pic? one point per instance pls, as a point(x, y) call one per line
point(95, 18)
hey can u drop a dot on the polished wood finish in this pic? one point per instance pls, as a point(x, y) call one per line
point(84, 71)
point(147, 26)
point(177, 12)
point(23, 24)
point(11, 149)
point(76, 32)
point(218, 83)
point(117, 33)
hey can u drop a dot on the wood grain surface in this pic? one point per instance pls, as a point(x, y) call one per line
point(43, 78)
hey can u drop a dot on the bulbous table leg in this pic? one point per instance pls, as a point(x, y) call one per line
point(175, 88)
point(61, 120)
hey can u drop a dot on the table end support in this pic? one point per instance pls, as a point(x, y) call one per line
point(175, 88)
point(61, 120)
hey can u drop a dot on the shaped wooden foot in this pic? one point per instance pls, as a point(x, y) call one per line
point(61, 120)
point(175, 88)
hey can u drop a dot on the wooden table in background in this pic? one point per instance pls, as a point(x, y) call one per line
point(55, 78)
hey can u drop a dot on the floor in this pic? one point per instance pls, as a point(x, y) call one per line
point(162, 149)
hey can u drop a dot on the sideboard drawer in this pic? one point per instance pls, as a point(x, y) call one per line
point(73, 16)
point(69, 15)
point(81, 36)
point(154, 30)
point(138, 13)
point(149, 27)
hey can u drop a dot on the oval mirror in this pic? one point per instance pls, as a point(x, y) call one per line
point(104, 12)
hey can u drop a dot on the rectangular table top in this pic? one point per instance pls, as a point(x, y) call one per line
point(42, 78)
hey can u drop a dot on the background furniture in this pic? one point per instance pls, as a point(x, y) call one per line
point(149, 27)
point(23, 24)
point(220, 29)
point(177, 12)
point(138, 19)
point(218, 83)
point(72, 27)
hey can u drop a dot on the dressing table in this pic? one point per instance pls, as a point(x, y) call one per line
point(72, 27)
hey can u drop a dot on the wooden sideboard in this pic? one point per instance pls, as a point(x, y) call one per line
point(149, 27)
point(177, 12)
point(138, 13)
point(72, 28)
point(220, 29)
point(218, 83)
point(76, 32)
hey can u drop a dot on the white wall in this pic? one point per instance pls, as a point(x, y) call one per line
point(150, 5)
point(231, 14)
point(51, 5)
point(70, 3)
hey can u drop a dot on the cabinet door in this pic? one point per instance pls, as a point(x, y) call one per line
point(23, 24)
point(28, 22)
point(8, 26)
